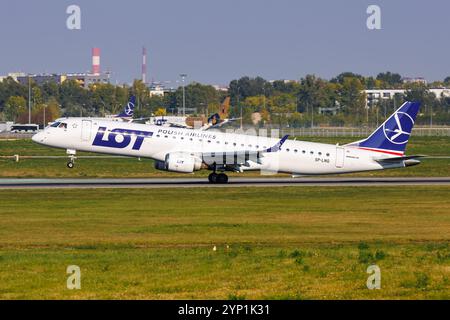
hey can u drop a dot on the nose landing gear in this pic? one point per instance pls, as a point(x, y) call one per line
point(71, 162)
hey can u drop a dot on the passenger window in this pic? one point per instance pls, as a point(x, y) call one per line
point(287, 150)
point(320, 153)
point(312, 152)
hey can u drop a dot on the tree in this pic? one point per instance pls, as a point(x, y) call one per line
point(315, 93)
point(429, 104)
point(352, 98)
point(14, 107)
point(392, 80)
point(247, 87)
point(75, 100)
point(197, 96)
point(9, 87)
point(447, 81)
point(341, 77)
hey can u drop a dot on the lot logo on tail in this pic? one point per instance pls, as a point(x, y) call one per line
point(120, 138)
point(129, 108)
point(393, 135)
point(402, 124)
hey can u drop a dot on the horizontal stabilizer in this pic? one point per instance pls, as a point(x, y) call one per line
point(397, 159)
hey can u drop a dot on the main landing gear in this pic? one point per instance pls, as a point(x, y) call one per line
point(221, 178)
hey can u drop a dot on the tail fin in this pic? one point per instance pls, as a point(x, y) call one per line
point(393, 135)
point(214, 119)
point(128, 111)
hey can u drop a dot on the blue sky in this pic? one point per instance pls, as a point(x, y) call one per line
point(217, 41)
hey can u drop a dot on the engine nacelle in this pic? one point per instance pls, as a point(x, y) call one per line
point(179, 162)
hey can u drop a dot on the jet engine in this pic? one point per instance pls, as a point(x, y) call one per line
point(179, 162)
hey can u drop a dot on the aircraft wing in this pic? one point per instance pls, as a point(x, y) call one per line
point(218, 125)
point(241, 157)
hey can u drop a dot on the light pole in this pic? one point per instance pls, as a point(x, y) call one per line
point(43, 124)
point(239, 106)
point(431, 116)
point(29, 99)
point(183, 77)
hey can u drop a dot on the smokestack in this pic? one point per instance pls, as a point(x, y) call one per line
point(96, 61)
point(144, 65)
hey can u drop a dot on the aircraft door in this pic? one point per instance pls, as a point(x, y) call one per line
point(86, 130)
point(340, 155)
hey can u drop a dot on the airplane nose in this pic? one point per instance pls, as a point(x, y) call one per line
point(37, 137)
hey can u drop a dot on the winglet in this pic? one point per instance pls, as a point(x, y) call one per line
point(279, 144)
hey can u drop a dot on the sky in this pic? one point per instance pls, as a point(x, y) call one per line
point(216, 41)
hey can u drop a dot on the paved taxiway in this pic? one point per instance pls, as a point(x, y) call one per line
point(202, 182)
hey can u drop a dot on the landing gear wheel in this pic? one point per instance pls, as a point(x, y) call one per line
point(222, 178)
point(70, 164)
point(212, 178)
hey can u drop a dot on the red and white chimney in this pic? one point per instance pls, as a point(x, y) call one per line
point(96, 61)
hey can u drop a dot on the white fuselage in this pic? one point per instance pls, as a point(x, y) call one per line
point(155, 142)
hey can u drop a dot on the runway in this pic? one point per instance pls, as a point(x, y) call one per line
point(234, 182)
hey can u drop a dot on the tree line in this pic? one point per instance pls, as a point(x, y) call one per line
point(310, 101)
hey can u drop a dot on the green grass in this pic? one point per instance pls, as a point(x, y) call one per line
point(133, 168)
point(282, 243)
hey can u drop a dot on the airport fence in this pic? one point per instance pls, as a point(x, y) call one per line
point(359, 132)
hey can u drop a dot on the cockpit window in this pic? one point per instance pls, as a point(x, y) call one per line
point(63, 125)
point(55, 124)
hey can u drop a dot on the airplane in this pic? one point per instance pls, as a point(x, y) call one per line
point(215, 121)
point(188, 150)
point(127, 113)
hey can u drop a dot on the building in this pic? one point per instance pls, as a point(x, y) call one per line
point(13, 75)
point(376, 95)
point(221, 88)
point(415, 80)
point(87, 79)
point(41, 79)
point(83, 79)
point(156, 89)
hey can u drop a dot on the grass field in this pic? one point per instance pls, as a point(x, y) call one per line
point(272, 243)
point(28, 168)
